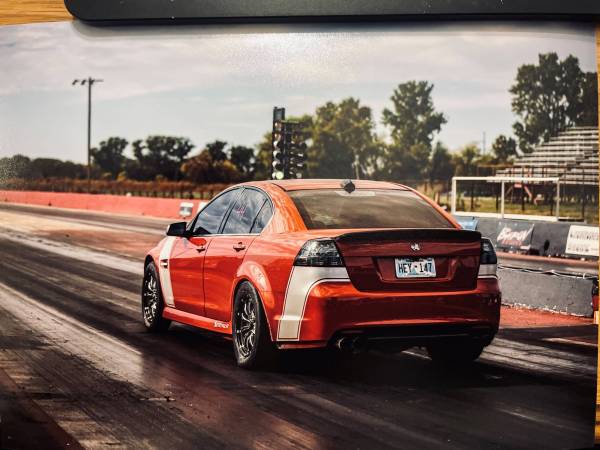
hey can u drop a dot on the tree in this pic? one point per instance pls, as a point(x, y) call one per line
point(55, 168)
point(344, 144)
point(550, 97)
point(466, 160)
point(504, 148)
point(108, 157)
point(413, 122)
point(413, 119)
point(17, 166)
point(263, 159)
point(441, 164)
point(243, 160)
point(589, 116)
point(216, 150)
point(159, 155)
point(211, 166)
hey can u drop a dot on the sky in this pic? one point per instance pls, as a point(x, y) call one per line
point(221, 82)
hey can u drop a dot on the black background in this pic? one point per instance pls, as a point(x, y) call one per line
point(329, 10)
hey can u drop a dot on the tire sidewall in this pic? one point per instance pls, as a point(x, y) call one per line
point(262, 339)
point(159, 322)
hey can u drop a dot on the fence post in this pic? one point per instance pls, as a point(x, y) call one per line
point(453, 209)
point(502, 199)
point(557, 199)
point(583, 195)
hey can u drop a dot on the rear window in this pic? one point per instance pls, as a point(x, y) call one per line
point(366, 208)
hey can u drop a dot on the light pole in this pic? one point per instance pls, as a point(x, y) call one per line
point(90, 82)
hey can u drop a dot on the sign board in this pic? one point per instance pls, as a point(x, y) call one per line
point(186, 209)
point(514, 235)
point(582, 240)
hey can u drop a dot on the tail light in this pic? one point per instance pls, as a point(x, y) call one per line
point(319, 253)
point(488, 260)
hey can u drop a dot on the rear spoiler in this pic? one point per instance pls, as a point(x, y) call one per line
point(410, 234)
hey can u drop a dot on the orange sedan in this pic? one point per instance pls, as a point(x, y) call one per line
point(292, 264)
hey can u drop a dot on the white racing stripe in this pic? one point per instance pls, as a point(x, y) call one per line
point(302, 280)
point(164, 272)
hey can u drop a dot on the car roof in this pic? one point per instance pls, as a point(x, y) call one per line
point(299, 184)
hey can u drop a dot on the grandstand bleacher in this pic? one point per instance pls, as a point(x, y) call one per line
point(572, 156)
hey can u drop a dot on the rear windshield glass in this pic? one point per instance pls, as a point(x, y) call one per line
point(365, 208)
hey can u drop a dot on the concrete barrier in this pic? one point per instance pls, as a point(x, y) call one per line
point(562, 239)
point(565, 294)
point(119, 204)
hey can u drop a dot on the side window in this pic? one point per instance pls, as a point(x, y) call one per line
point(210, 217)
point(244, 212)
point(263, 218)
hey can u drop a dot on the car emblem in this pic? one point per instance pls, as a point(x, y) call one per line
point(415, 247)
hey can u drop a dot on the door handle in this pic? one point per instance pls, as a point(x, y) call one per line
point(200, 248)
point(239, 246)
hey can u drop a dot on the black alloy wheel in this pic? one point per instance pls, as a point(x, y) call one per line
point(252, 344)
point(152, 301)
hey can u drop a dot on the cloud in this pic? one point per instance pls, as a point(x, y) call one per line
point(48, 56)
point(179, 76)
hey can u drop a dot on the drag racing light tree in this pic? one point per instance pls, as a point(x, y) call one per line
point(89, 82)
point(296, 153)
point(279, 160)
point(277, 149)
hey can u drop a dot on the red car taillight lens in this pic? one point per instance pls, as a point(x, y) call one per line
point(319, 253)
point(488, 261)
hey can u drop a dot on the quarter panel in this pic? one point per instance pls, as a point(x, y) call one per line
point(268, 264)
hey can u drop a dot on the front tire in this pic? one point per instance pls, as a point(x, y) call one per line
point(455, 353)
point(252, 345)
point(152, 301)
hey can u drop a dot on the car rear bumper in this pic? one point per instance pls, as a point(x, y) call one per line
point(335, 309)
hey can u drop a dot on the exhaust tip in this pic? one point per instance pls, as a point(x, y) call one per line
point(353, 344)
point(344, 343)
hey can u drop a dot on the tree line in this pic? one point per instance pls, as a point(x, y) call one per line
point(342, 141)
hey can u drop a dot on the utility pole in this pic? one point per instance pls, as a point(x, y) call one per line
point(90, 82)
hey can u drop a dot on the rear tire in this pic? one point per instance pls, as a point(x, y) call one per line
point(455, 353)
point(152, 301)
point(252, 345)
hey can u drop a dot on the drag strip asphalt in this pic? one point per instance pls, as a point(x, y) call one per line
point(157, 226)
point(72, 340)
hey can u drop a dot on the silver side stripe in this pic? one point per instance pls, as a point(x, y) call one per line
point(302, 280)
point(163, 270)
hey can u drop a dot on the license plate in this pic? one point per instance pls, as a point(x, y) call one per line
point(415, 268)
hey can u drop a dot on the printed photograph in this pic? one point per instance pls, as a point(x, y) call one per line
point(374, 235)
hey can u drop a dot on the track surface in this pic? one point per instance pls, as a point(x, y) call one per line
point(157, 226)
point(76, 362)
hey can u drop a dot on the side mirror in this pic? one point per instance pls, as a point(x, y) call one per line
point(177, 229)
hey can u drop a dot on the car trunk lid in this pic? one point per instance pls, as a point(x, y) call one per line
point(370, 258)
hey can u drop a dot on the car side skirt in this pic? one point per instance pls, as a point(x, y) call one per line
point(197, 321)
